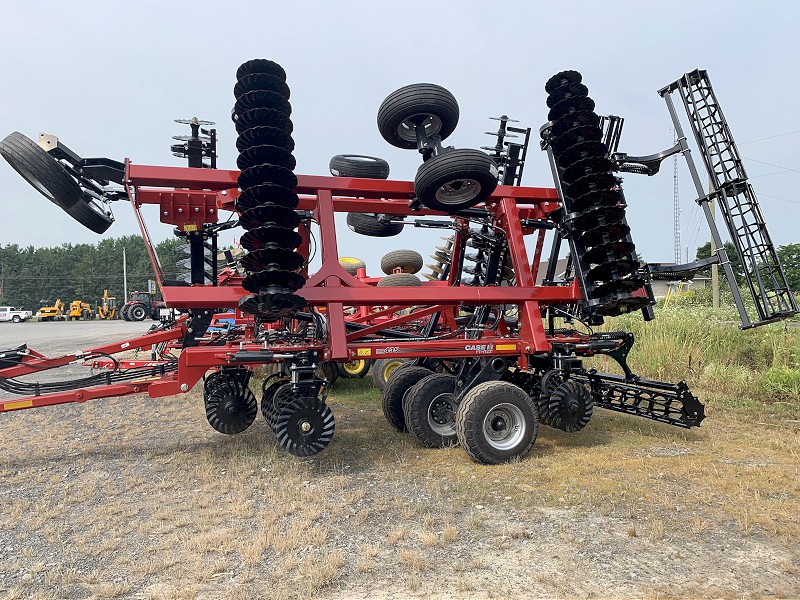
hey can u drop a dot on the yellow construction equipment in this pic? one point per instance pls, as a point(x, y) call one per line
point(52, 313)
point(78, 309)
point(107, 306)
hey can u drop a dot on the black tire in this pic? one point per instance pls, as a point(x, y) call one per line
point(429, 410)
point(366, 224)
point(123, 312)
point(358, 165)
point(400, 280)
point(383, 368)
point(352, 265)
point(395, 391)
point(40, 169)
point(354, 369)
point(410, 261)
point(137, 312)
point(496, 422)
point(455, 180)
point(90, 213)
point(16, 319)
point(328, 370)
point(427, 104)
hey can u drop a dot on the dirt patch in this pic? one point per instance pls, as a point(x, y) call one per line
point(139, 498)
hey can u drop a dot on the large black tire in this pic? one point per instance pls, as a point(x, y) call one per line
point(357, 165)
point(352, 265)
point(40, 169)
point(383, 368)
point(400, 280)
point(425, 104)
point(123, 312)
point(137, 312)
point(455, 180)
point(91, 214)
point(429, 410)
point(410, 261)
point(496, 422)
point(354, 369)
point(397, 387)
point(366, 224)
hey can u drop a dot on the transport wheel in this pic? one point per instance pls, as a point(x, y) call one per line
point(366, 224)
point(354, 369)
point(40, 169)
point(408, 261)
point(496, 422)
point(358, 165)
point(395, 391)
point(230, 405)
point(352, 265)
point(305, 426)
point(16, 319)
point(417, 105)
point(400, 280)
point(91, 213)
point(455, 180)
point(137, 312)
point(382, 370)
point(571, 407)
point(429, 410)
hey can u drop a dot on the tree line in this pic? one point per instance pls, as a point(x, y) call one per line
point(32, 277)
point(788, 255)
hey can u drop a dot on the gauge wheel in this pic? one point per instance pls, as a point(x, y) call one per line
point(418, 105)
point(40, 169)
point(455, 180)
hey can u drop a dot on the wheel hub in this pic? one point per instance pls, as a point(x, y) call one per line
point(441, 414)
point(504, 426)
point(458, 191)
point(430, 123)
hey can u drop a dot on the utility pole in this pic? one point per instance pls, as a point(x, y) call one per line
point(124, 275)
point(715, 266)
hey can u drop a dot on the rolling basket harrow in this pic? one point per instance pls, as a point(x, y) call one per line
point(489, 352)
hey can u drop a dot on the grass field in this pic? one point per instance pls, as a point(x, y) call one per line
point(139, 498)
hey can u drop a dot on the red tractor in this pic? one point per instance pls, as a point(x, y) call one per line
point(141, 305)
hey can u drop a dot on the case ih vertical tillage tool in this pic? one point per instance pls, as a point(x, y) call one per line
point(492, 354)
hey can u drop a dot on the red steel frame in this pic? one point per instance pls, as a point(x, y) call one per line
point(189, 198)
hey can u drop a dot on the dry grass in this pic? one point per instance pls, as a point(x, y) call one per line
point(139, 498)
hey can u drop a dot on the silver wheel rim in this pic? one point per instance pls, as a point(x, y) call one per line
point(458, 191)
point(407, 129)
point(504, 426)
point(441, 412)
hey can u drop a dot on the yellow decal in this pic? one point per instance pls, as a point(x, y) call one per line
point(363, 352)
point(17, 405)
point(505, 347)
point(190, 227)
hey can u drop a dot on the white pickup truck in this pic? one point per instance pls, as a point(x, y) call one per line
point(9, 313)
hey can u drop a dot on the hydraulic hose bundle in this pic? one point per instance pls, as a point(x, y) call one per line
point(268, 198)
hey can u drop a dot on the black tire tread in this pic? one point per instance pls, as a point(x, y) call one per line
point(367, 224)
point(402, 380)
point(451, 165)
point(358, 165)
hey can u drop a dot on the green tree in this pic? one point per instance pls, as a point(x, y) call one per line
point(704, 251)
point(789, 256)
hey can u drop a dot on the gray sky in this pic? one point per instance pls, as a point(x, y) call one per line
point(109, 77)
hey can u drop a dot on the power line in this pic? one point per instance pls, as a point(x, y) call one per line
point(771, 137)
point(771, 165)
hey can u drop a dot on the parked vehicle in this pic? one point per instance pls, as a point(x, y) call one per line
point(141, 305)
point(52, 313)
point(78, 309)
point(17, 315)
point(107, 306)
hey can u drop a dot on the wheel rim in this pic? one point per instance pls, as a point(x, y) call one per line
point(391, 368)
point(407, 128)
point(504, 426)
point(354, 367)
point(441, 414)
point(458, 191)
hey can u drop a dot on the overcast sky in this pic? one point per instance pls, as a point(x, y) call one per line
point(109, 78)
